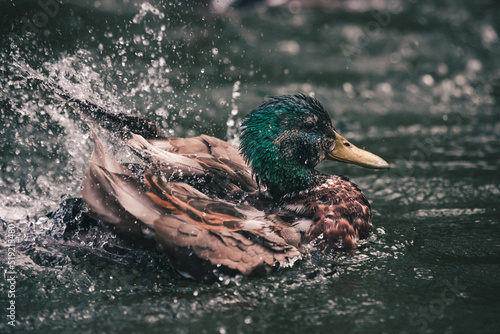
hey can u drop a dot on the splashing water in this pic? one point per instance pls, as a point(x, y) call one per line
point(146, 8)
point(233, 125)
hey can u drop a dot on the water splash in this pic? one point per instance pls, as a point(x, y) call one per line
point(233, 124)
point(146, 8)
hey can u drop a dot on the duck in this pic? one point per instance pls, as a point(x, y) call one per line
point(216, 209)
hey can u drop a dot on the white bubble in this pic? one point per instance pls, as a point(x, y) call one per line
point(474, 65)
point(348, 88)
point(443, 68)
point(290, 47)
point(428, 80)
point(460, 80)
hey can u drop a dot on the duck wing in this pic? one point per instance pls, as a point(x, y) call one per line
point(202, 236)
point(120, 125)
point(211, 165)
point(207, 163)
point(115, 195)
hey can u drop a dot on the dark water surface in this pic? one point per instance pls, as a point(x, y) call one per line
point(414, 82)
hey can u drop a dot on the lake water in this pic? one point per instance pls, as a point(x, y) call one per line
point(416, 82)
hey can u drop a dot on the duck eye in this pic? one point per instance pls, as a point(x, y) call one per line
point(309, 125)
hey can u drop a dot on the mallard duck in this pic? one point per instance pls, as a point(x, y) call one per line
point(216, 209)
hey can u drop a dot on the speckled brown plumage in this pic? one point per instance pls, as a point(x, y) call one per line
point(340, 213)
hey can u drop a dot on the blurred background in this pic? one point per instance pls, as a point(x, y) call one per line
point(416, 82)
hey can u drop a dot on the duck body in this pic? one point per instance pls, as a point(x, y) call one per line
point(216, 209)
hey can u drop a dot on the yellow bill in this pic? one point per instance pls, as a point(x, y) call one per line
point(346, 152)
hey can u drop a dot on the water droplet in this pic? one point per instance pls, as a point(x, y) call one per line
point(428, 80)
point(290, 47)
point(443, 69)
point(474, 65)
point(348, 88)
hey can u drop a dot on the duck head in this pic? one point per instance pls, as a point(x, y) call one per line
point(287, 136)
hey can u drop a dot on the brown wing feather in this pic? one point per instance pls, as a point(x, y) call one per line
point(200, 252)
point(223, 173)
point(109, 190)
point(221, 162)
point(215, 232)
point(198, 233)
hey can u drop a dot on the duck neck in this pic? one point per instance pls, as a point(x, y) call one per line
point(289, 178)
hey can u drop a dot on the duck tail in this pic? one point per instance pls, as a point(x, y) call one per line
point(120, 125)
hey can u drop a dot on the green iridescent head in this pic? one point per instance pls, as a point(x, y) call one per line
point(287, 136)
point(284, 139)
